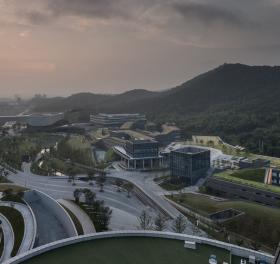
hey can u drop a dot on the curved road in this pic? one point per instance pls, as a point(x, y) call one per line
point(29, 225)
point(9, 238)
point(58, 188)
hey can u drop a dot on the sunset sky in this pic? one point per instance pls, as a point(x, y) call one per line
point(60, 47)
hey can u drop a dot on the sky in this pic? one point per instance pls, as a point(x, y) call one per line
point(61, 47)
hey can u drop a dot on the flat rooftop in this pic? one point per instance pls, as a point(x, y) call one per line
point(119, 115)
point(136, 250)
point(190, 150)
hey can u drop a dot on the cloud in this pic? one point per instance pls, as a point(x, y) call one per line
point(24, 34)
point(37, 17)
point(27, 66)
point(90, 8)
point(53, 9)
point(208, 14)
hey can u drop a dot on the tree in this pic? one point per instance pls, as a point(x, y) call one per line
point(90, 176)
point(239, 242)
point(145, 221)
point(77, 195)
point(7, 192)
point(160, 222)
point(70, 173)
point(119, 184)
point(256, 245)
point(100, 181)
point(179, 224)
point(105, 217)
point(129, 188)
point(89, 197)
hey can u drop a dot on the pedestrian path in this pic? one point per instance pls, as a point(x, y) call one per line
point(84, 219)
point(29, 225)
point(9, 238)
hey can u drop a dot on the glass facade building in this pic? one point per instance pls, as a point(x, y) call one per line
point(276, 177)
point(116, 120)
point(189, 164)
point(142, 148)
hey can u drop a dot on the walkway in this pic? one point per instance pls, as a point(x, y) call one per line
point(9, 238)
point(83, 218)
point(29, 225)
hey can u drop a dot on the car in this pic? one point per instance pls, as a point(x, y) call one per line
point(243, 261)
point(213, 259)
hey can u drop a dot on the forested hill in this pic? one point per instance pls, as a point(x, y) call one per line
point(237, 102)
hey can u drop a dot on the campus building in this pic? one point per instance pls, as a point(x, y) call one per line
point(189, 163)
point(139, 155)
point(34, 120)
point(272, 176)
point(116, 120)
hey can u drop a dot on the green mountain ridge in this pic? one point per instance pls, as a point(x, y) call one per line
point(238, 102)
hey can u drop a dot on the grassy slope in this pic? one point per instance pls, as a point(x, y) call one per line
point(256, 175)
point(75, 220)
point(231, 176)
point(259, 222)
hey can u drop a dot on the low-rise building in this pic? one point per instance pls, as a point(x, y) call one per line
point(116, 120)
point(189, 164)
point(253, 163)
point(140, 155)
point(227, 189)
point(34, 120)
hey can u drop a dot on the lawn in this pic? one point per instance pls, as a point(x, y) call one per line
point(51, 165)
point(256, 175)
point(14, 188)
point(17, 222)
point(165, 183)
point(259, 223)
point(171, 187)
point(136, 250)
point(75, 220)
point(247, 178)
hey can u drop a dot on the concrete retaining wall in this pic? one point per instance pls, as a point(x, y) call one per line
point(236, 250)
point(55, 208)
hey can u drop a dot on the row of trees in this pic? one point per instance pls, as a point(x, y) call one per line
point(100, 179)
point(96, 209)
point(159, 223)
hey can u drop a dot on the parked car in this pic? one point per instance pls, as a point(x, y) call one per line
point(213, 259)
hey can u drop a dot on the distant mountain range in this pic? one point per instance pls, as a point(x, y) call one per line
point(237, 102)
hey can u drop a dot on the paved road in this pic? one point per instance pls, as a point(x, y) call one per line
point(8, 238)
point(145, 181)
point(49, 227)
point(83, 218)
point(59, 188)
point(29, 225)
